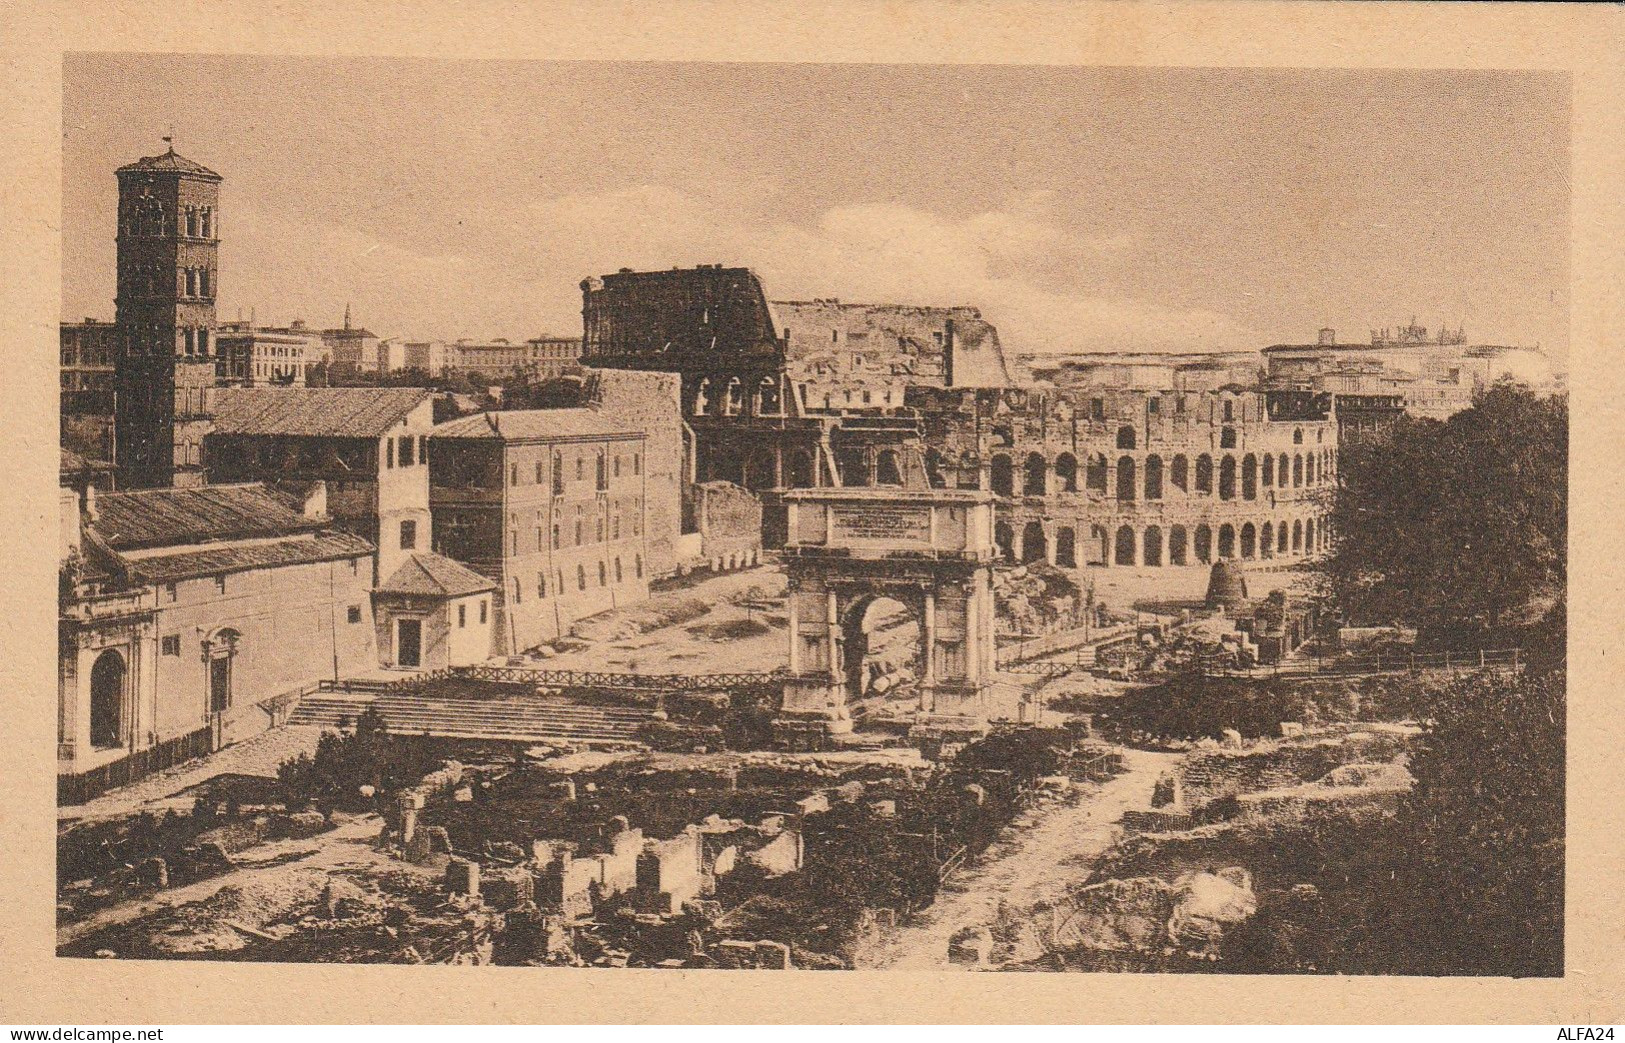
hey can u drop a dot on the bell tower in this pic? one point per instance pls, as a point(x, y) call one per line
point(168, 242)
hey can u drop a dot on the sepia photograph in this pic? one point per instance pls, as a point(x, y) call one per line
point(813, 516)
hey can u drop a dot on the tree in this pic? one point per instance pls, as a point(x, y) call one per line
point(1459, 526)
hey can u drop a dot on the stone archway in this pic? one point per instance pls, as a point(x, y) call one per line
point(851, 550)
point(866, 657)
point(108, 695)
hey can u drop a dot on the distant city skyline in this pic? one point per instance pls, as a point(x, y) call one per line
point(1080, 209)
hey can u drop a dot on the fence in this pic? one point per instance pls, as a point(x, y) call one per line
point(652, 684)
point(1483, 659)
point(77, 789)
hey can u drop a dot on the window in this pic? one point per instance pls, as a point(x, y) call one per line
point(1229, 410)
point(172, 591)
point(220, 584)
point(603, 574)
point(389, 452)
point(409, 535)
point(603, 473)
point(541, 584)
point(1152, 405)
point(353, 614)
point(637, 463)
point(518, 592)
point(513, 474)
point(578, 530)
point(406, 451)
point(638, 566)
point(600, 528)
point(462, 616)
point(538, 472)
point(172, 644)
point(617, 465)
point(558, 477)
point(555, 535)
point(581, 467)
point(483, 604)
point(618, 577)
point(581, 577)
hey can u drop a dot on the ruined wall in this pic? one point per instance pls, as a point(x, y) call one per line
point(730, 522)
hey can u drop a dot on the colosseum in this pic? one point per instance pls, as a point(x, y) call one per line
point(1109, 477)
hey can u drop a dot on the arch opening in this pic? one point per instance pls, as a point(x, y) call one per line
point(107, 699)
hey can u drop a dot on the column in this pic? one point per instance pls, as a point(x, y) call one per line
point(795, 629)
point(928, 627)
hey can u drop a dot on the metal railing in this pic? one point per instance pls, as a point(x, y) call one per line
point(1413, 663)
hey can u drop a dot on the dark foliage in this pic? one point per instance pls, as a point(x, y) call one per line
point(369, 756)
point(1455, 527)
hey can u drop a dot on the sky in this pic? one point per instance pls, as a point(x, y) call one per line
point(1081, 209)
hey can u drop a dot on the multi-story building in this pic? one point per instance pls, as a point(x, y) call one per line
point(1433, 375)
point(369, 446)
point(89, 350)
point(192, 617)
point(551, 505)
point(426, 355)
point(553, 356)
point(168, 277)
point(536, 359)
point(265, 356)
point(351, 347)
point(1121, 477)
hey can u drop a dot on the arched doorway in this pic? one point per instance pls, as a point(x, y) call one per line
point(1066, 472)
point(1001, 476)
point(880, 647)
point(1034, 547)
point(1249, 537)
point(1125, 546)
point(1153, 477)
point(1176, 545)
point(1005, 538)
point(1125, 478)
point(1036, 480)
point(1227, 541)
point(1066, 551)
point(107, 698)
point(221, 651)
point(1152, 554)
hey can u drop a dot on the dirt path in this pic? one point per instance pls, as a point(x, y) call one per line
point(1037, 857)
point(347, 845)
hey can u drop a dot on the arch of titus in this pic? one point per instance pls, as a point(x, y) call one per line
point(931, 550)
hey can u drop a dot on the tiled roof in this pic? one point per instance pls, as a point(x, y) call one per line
point(328, 412)
point(170, 163)
point(169, 517)
point(430, 575)
point(519, 425)
point(324, 546)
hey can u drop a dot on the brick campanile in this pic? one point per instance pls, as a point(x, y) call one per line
point(168, 242)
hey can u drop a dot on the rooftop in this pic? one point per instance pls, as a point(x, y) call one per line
point(212, 561)
point(169, 163)
point(430, 575)
point(170, 517)
point(527, 425)
point(324, 412)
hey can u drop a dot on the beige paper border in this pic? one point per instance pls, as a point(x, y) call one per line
point(40, 989)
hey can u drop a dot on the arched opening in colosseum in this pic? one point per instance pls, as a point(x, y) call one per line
point(1281, 538)
point(888, 471)
point(1002, 476)
point(1179, 473)
point(880, 646)
point(1249, 477)
point(1125, 437)
point(702, 397)
point(1066, 472)
point(1227, 438)
point(1034, 546)
point(1309, 536)
point(1297, 536)
point(768, 401)
point(1095, 473)
point(1152, 553)
point(1100, 545)
point(1227, 478)
point(1282, 471)
point(1297, 436)
point(1227, 541)
point(1249, 541)
point(1266, 541)
point(1309, 470)
point(1176, 545)
point(1035, 480)
point(759, 470)
point(1269, 470)
point(1204, 544)
point(1125, 478)
point(854, 467)
point(1066, 548)
point(734, 403)
point(1125, 546)
point(1204, 474)
point(1153, 477)
point(799, 469)
point(1297, 471)
point(1005, 537)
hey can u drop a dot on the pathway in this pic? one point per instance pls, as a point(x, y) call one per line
point(1033, 860)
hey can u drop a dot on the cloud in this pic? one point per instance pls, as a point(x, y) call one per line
point(514, 274)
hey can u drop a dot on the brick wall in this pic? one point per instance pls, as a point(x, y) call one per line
point(651, 403)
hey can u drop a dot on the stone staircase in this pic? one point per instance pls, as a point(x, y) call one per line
point(528, 717)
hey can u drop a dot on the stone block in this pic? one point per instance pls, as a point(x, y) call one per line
point(463, 877)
